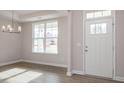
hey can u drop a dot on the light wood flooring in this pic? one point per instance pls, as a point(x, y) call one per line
point(36, 73)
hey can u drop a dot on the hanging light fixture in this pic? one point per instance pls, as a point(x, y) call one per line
point(13, 28)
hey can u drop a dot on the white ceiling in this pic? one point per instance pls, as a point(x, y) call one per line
point(25, 12)
point(32, 15)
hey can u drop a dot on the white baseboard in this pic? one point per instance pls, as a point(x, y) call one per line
point(44, 63)
point(118, 78)
point(78, 72)
point(9, 62)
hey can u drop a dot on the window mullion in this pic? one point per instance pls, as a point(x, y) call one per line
point(44, 38)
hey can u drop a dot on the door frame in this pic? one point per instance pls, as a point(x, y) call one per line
point(113, 41)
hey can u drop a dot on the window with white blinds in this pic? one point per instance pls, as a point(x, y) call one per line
point(45, 37)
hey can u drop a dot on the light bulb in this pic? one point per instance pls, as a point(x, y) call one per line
point(8, 27)
point(19, 28)
point(10, 30)
point(3, 28)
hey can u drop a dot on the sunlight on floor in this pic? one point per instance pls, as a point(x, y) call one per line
point(24, 77)
point(10, 73)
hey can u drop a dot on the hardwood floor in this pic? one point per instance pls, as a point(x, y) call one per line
point(35, 73)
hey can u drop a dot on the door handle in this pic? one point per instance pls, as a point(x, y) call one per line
point(86, 50)
point(86, 46)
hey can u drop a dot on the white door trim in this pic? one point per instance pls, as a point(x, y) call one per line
point(69, 67)
point(114, 43)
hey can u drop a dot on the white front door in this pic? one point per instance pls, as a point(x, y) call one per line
point(98, 48)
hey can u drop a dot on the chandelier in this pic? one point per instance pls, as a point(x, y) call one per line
point(13, 28)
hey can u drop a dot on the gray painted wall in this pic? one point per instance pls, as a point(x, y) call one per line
point(119, 43)
point(10, 44)
point(77, 40)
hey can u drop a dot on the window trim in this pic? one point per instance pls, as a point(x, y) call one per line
point(96, 18)
point(44, 39)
